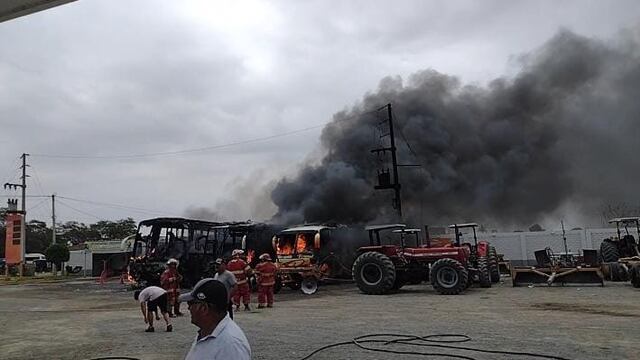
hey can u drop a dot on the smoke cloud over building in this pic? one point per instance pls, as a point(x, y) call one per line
point(562, 130)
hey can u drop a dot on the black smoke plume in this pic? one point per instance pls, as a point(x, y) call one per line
point(565, 129)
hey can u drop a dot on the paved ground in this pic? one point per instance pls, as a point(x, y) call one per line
point(82, 320)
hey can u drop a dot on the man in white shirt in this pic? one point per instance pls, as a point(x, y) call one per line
point(219, 337)
point(152, 298)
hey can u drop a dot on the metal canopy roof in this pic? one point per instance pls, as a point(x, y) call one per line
point(624, 219)
point(463, 225)
point(305, 228)
point(384, 227)
point(409, 231)
point(11, 9)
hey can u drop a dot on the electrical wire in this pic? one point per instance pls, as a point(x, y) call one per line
point(79, 211)
point(178, 152)
point(200, 149)
point(116, 206)
point(403, 137)
point(434, 341)
point(37, 205)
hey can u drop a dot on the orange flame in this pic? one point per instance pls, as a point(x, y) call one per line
point(285, 249)
point(301, 244)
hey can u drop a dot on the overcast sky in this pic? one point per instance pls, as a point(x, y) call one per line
point(118, 78)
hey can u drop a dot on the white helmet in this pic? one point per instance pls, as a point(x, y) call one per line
point(265, 256)
point(237, 252)
point(173, 261)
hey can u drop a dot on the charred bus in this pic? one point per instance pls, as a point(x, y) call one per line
point(195, 244)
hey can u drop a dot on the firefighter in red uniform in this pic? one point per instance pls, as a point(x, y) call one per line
point(241, 270)
point(170, 281)
point(266, 272)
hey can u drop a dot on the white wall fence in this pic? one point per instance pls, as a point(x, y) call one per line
point(519, 246)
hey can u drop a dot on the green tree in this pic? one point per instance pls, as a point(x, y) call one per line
point(38, 236)
point(77, 232)
point(57, 253)
point(114, 230)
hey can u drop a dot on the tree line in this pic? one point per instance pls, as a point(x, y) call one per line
point(39, 235)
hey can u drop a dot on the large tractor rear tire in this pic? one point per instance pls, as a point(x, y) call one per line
point(635, 276)
point(617, 272)
point(609, 251)
point(493, 265)
point(374, 273)
point(484, 277)
point(449, 277)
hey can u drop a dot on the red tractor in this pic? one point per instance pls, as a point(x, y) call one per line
point(483, 259)
point(381, 269)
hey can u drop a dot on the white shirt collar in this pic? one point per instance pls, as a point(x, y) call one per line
point(219, 328)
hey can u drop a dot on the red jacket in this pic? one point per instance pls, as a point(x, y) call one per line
point(266, 273)
point(240, 269)
point(170, 280)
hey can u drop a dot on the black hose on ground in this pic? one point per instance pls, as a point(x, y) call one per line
point(434, 341)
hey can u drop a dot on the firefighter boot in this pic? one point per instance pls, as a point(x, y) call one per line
point(246, 307)
point(176, 310)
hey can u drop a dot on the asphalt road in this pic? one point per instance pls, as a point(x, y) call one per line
point(83, 320)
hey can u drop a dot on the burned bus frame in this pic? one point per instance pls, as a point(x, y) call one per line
point(195, 244)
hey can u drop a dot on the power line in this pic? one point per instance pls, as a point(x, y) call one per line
point(117, 206)
point(37, 205)
point(197, 150)
point(37, 178)
point(79, 211)
point(29, 196)
point(179, 152)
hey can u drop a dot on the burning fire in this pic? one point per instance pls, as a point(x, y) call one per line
point(300, 246)
point(126, 278)
point(285, 249)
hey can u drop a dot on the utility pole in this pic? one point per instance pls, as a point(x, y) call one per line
point(23, 186)
point(53, 227)
point(384, 179)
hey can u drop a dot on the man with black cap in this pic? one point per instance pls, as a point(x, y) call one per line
point(227, 278)
point(219, 337)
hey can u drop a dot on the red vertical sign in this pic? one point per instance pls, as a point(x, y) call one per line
point(13, 249)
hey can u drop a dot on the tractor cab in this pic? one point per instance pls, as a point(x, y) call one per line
point(389, 233)
point(483, 260)
point(625, 245)
point(408, 237)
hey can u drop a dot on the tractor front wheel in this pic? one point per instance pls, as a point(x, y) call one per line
point(448, 276)
point(374, 273)
point(484, 277)
point(609, 251)
point(493, 265)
